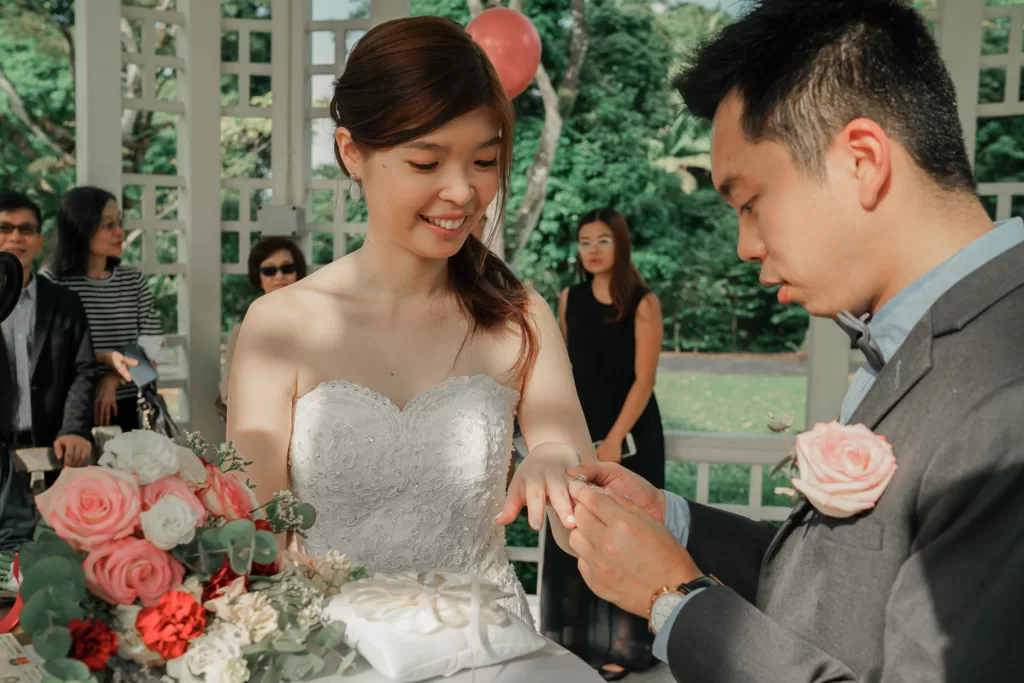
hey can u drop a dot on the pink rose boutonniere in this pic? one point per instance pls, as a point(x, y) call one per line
point(842, 470)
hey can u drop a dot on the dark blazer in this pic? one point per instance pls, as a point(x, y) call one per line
point(928, 585)
point(64, 367)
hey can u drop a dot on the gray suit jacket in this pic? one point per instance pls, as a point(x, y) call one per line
point(927, 586)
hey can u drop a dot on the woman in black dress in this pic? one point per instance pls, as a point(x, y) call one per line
point(613, 329)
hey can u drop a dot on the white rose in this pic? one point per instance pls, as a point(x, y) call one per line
point(169, 522)
point(129, 641)
point(207, 652)
point(230, 671)
point(147, 454)
point(191, 467)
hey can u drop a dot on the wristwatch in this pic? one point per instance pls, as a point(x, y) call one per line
point(666, 599)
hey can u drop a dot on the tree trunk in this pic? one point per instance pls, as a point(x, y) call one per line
point(557, 105)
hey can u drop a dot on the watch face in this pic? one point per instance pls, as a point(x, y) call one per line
point(663, 608)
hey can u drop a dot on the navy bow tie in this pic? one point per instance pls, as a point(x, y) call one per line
point(860, 333)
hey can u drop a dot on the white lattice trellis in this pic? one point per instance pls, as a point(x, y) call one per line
point(182, 211)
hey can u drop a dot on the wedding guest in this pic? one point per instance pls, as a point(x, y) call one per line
point(612, 326)
point(274, 262)
point(48, 356)
point(837, 140)
point(116, 297)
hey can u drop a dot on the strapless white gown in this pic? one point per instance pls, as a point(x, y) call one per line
point(409, 489)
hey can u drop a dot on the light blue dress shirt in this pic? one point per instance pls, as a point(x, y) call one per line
point(17, 331)
point(890, 327)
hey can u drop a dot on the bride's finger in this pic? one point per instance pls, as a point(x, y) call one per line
point(535, 495)
point(514, 501)
point(558, 497)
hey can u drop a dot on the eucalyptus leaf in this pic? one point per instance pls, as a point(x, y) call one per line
point(265, 547)
point(256, 648)
point(331, 635)
point(59, 570)
point(211, 538)
point(211, 551)
point(68, 669)
point(47, 548)
point(53, 643)
point(287, 644)
point(44, 532)
point(239, 537)
point(38, 612)
point(238, 531)
point(301, 667)
point(308, 514)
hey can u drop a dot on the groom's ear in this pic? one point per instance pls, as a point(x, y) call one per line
point(866, 151)
point(348, 152)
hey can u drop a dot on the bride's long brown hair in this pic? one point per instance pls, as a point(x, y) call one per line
point(406, 78)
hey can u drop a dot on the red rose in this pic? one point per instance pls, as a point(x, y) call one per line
point(222, 579)
point(167, 627)
point(92, 643)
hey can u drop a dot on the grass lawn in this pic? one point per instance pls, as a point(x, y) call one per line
point(707, 403)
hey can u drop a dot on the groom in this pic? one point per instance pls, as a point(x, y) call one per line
point(836, 139)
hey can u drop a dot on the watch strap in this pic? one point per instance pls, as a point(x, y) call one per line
point(705, 581)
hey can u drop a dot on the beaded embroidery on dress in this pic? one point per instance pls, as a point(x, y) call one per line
point(416, 488)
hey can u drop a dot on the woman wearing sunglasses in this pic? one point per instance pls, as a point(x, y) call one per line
point(274, 262)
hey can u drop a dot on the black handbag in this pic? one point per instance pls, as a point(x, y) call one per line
point(152, 409)
point(153, 413)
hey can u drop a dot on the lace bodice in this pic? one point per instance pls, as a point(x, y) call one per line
point(409, 489)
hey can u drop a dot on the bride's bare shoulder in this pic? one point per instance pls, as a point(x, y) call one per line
point(318, 297)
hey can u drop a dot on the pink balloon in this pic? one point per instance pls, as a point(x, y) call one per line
point(512, 43)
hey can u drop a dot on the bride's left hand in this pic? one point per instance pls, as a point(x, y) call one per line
point(540, 481)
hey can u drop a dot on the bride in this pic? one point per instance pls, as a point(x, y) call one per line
point(382, 389)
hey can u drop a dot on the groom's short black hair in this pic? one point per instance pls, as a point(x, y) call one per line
point(806, 68)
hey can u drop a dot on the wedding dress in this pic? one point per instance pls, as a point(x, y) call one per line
point(415, 488)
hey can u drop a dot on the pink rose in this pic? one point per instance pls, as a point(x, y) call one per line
point(130, 569)
point(843, 469)
point(172, 486)
point(226, 495)
point(91, 506)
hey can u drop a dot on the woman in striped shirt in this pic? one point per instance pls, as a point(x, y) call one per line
point(116, 297)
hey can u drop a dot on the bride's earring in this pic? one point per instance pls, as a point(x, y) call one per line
point(355, 190)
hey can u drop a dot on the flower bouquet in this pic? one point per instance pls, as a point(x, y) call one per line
point(158, 564)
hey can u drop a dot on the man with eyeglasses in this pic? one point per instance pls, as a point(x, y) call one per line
point(45, 350)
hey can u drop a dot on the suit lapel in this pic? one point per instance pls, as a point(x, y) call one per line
point(45, 302)
point(953, 311)
point(912, 361)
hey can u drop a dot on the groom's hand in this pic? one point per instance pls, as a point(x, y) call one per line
point(625, 554)
point(617, 479)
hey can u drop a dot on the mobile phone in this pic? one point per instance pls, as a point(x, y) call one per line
point(628, 445)
point(144, 373)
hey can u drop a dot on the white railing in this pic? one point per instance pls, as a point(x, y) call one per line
point(706, 449)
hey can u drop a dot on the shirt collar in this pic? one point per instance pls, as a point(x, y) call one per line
point(29, 291)
point(893, 322)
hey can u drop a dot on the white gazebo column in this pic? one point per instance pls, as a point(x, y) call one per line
point(386, 10)
point(98, 94)
point(199, 152)
point(828, 368)
point(960, 44)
